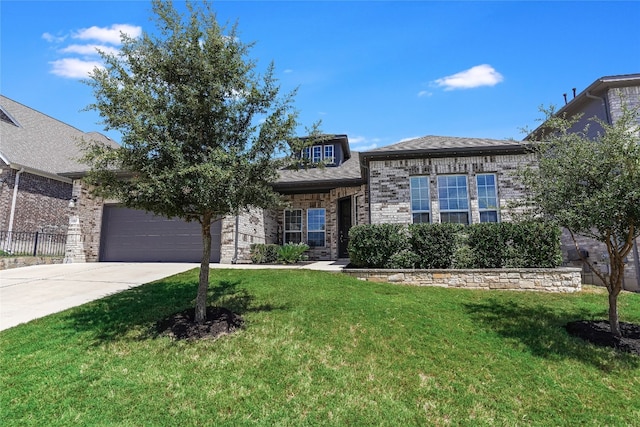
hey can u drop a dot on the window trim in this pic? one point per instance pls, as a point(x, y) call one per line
point(420, 211)
point(286, 230)
point(496, 209)
point(450, 211)
point(323, 230)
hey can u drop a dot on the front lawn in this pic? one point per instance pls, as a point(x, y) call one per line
point(321, 349)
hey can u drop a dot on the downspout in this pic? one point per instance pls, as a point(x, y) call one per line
point(234, 260)
point(16, 184)
point(607, 114)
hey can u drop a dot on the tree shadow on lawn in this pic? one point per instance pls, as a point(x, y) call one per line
point(542, 330)
point(139, 309)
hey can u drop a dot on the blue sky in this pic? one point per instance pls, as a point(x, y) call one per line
point(377, 71)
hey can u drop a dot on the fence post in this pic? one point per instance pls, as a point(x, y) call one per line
point(35, 246)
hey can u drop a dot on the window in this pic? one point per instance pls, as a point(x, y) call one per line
point(419, 186)
point(306, 153)
point(317, 153)
point(315, 227)
point(293, 226)
point(454, 199)
point(328, 154)
point(487, 197)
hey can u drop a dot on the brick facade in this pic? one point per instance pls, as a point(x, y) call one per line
point(328, 201)
point(41, 203)
point(389, 183)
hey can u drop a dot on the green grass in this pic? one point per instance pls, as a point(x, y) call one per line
point(321, 349)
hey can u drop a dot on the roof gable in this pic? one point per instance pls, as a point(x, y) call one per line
point(39, 142)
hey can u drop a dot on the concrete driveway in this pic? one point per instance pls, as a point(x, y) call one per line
point(29, 293)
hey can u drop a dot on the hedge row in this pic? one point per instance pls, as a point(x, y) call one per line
point(442, 246)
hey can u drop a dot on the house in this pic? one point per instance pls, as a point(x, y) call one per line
point(34, 150)
point(427, 179)
point(602, 99)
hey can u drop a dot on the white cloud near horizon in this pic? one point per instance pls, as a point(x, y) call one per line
point(478, 76)
point(81, 57)
point(361, 143)
point(73, 68)
point(109, 35)
point(89, 49)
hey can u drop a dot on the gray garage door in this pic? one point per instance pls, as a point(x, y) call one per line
point(139, 236)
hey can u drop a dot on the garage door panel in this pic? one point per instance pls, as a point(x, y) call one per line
point(135, 235)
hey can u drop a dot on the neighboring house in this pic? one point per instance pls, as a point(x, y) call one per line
point(34, 150)
point(602, 99)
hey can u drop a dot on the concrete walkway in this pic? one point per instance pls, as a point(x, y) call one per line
point(29, 293)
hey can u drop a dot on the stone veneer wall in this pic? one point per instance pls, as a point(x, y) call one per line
point(328, 201)
point(83, 240)
point(389, 179)
point(16, 262)
point(597, 255)
point(253, 227)
point(533, 279)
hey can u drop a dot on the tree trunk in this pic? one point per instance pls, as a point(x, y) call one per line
point(613, 315)
point(203, 285)
point(617, 271)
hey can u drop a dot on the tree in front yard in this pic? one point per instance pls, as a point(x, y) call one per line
point(203, 132)
point(592, 188)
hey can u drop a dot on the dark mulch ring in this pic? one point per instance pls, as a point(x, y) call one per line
point(180, 326)
point(598, 332)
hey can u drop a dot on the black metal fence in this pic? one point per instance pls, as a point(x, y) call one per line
point(19, 243)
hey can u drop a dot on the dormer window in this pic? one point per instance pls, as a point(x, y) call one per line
point(317, 154)
point(320, 153)
point(328, 154)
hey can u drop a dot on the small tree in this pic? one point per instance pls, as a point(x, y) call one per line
point(200, 128)
point(591, 187)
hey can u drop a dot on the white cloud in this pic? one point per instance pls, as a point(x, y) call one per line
point(53, 39)
point(480, 75)
point(78, 61)
point(73, 68)
point(361, 143)
point(89, 49)
point(288, 71)
point(110, 34)
point(424, 93)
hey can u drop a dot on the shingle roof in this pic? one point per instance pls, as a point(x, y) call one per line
point(596, 88)
point(31, 139)
point(322, 177)
point(431, 145)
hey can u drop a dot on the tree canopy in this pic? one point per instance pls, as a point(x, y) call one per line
point(591, 187)
point(203, 133)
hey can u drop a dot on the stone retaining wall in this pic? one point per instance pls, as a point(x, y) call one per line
point(530, 279)
point(15, 262)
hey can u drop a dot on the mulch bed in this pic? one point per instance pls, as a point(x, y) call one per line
point(181, 326)
point(598, 332)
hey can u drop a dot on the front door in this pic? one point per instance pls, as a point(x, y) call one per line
point(344, 224)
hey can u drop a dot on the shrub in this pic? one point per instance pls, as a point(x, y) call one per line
point(434, 244)
point(403, 259)
point(291, 253)
point(441, 246)
point(487, 242)
point(374, 245)
point(264, 253)
point(533, 244)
